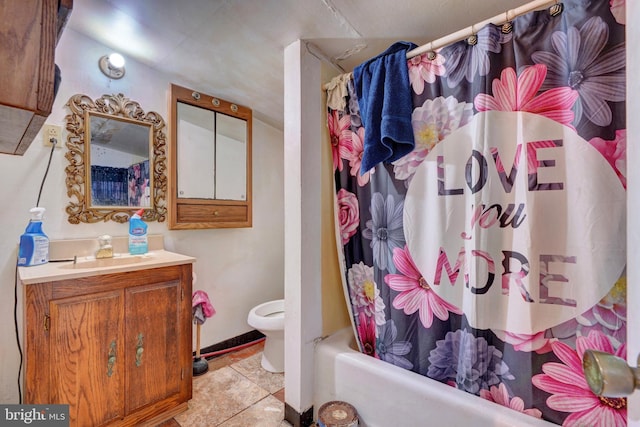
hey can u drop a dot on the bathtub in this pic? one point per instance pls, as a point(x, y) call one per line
point(385, 395)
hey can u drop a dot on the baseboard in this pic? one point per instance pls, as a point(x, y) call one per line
point(232, 342)
point(297, 419)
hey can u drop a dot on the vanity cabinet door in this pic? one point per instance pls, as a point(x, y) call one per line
point(153, 344)
point(87, 363)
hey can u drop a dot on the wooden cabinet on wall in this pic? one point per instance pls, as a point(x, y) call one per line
point(29, 33)
point(209, 162)
point(115, 347)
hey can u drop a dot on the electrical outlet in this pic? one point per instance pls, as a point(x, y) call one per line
point(52, 131)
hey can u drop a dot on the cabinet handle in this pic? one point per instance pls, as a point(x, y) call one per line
point(139, 349)
point(111, 360)
point(46, 322)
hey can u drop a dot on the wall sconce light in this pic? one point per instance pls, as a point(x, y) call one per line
point(608, 375)
point(112, 66)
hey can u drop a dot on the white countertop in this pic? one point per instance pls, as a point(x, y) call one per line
point(88, 265)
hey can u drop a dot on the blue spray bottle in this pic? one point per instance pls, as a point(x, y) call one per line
point(34, 244)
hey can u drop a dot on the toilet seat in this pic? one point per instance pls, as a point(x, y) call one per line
point(268, 316)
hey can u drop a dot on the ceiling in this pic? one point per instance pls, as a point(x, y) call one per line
point(234, 49)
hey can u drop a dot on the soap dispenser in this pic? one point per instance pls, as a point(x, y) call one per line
point(105, 250)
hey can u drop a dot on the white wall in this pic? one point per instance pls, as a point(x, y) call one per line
point(238, 268)
point(303, 235)
point(633, 202)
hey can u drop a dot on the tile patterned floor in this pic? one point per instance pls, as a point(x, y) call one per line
point(235, 392)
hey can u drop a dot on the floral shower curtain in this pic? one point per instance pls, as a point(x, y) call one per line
point(493, 254)
point(138, 184)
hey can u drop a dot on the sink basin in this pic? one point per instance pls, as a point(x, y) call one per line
point(106, 262)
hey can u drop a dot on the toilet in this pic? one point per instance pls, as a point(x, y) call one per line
point(268, 318)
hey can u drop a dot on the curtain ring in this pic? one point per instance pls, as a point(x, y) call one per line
point(472, 40)
point(507, 27)
point(431, 55)
point(556, 9)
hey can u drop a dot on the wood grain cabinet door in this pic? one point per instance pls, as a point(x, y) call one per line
point(87, 356)
point(153, 331)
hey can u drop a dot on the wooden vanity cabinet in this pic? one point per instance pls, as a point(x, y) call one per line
point(115, 347)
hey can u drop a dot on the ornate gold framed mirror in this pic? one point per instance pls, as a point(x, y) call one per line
point(117, 160)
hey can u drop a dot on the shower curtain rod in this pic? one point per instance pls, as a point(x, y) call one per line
point(466, 32)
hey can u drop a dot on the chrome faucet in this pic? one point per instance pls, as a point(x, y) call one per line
point(105, 250)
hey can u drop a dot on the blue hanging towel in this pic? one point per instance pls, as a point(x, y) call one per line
point(384, 97)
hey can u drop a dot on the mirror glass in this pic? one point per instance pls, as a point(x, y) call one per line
point(196, 153)
point(212, 154)
point(117, 160)
point(231, 158)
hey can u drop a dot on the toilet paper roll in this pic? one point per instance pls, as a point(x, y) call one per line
point(337, 414)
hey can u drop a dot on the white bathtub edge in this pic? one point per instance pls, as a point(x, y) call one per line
point(385, 395)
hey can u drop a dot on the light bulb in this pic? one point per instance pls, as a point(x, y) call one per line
point(112, 66)
point(116, 60)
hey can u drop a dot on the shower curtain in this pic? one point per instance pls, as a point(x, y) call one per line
point(493, 254)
